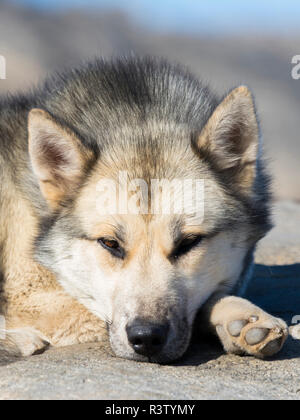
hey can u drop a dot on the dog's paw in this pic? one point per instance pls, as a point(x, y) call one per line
point(246, 329)
point(28, 341)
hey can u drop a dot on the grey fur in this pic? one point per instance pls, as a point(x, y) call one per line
point(137, 93)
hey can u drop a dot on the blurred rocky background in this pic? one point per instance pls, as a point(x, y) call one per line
point(224, 42)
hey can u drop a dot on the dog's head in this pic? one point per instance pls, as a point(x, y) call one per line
point(146, 268)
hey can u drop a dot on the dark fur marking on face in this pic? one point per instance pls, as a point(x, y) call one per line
point(185, 244)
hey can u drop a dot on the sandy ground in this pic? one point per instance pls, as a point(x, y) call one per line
point(90, 372)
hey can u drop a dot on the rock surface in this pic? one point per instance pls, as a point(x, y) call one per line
point(90, 372)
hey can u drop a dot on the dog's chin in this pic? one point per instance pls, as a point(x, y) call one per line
point(161, 359)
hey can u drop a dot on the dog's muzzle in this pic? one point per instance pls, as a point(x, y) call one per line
point(146, 338)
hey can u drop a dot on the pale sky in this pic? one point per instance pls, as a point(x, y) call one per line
point(196, 16)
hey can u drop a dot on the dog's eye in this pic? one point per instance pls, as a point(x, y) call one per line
point(185, 245)
point(112, 246)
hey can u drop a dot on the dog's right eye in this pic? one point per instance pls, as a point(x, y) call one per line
point(112, 246)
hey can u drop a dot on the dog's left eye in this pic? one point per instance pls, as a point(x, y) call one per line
point(112, 246)
point(185, 245)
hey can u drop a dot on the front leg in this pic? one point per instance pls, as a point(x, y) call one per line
point(244, 328)
point(23, 342)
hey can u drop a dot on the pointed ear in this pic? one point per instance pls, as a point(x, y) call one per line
point(58, 157)
point(230, 138)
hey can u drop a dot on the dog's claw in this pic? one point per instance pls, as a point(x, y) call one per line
point(253, 319)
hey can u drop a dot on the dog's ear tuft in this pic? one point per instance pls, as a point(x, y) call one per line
point(230, 138)
point(58, 157)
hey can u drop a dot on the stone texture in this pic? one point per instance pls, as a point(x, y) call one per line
point(91, 372)
point(282, 245)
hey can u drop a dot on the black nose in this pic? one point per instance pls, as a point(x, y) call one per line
point(147, 338)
